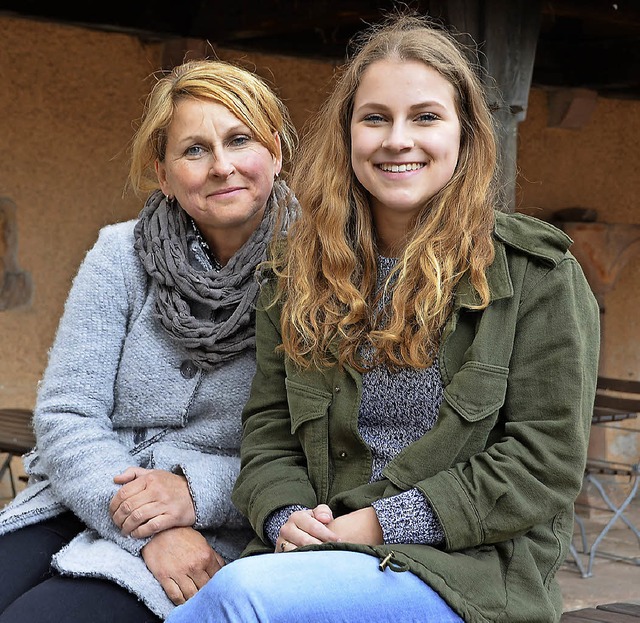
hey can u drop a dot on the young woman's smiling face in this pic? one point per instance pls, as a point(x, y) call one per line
point(405, 137)
point(218, 171)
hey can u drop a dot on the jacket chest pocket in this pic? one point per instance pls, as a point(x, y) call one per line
point(477, 390)
point(309, 412)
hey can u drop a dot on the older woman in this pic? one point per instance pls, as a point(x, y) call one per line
point(137, 419)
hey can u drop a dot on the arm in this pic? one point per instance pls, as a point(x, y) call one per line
point(78, 448)
point(534, 468)
point(273, 466)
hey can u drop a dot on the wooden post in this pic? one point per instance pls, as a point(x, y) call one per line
point(506, 33)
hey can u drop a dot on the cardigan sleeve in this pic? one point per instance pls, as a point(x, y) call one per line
point(77, 445)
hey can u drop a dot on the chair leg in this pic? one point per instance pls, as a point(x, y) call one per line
point(6, 467)
point(618, 513)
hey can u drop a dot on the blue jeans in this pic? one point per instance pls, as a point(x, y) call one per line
point(318, 586)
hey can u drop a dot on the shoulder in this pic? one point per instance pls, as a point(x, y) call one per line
point(113, 260)
point(531, 236)
point(117, 233)
point(115, 243)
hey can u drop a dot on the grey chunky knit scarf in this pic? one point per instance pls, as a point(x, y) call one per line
point(230, 294)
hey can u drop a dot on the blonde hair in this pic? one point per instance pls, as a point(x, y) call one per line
point(327, 270)
point(246, 95)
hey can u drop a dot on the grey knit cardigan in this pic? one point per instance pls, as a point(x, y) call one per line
point(118, 392)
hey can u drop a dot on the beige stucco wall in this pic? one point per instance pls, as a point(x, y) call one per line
point(70, 95)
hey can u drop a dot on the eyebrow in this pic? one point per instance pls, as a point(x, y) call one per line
point(413, 107)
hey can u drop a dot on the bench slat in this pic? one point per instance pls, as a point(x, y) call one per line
point(618, 403)
point(16, 433)
point(619, 385)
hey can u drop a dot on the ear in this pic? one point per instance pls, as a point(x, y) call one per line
point(161, 173)
point(277, 159)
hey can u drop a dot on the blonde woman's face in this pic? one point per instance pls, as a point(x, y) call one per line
point(405, 137)
point(218, 171)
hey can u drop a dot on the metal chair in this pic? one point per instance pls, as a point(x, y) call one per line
point(604, 474)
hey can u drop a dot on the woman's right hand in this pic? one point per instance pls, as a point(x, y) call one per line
point(307, 527)
point(182, 561)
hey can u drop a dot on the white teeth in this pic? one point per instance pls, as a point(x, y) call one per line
point(401, 168)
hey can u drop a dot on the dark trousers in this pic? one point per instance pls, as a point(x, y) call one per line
point(30, 591)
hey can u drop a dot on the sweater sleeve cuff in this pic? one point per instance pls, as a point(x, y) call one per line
point(277, 519)
point(408, 518)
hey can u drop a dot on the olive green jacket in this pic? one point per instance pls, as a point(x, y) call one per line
point(504, 462)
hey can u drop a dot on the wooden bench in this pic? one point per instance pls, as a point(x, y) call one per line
point(606, 613)
point(616, 400)
point(16, 438)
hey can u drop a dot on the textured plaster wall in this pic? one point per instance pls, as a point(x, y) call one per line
point(66, 114)
point(596, 167)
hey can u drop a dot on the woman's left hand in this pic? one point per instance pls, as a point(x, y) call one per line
point(151, 500)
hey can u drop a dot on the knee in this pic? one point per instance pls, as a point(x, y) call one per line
point(229, 597)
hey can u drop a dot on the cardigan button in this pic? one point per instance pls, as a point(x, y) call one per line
point(188, 369)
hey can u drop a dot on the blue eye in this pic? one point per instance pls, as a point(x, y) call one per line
point(427, 117)
point(374, 118)
point(194, 150)
point(239, 141)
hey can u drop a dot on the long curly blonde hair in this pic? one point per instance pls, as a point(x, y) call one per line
point(328, 267)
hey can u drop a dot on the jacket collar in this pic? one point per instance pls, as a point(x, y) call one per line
point(498, 277)
point(529, 236)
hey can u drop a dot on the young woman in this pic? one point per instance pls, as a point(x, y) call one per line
point(137, 420)
point(417, 427)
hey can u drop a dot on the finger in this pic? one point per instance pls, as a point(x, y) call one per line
point(215, 564)
point(129, 474)
point(173, 590)
point(186, 585)
point(199, 578)
point(307, 531)
point(125, 493)
point(127, 508)
point(322, 513)
point(283, 545)
point(142, 516)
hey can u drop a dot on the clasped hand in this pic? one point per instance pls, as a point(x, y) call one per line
point(151, 500)
point(315, 526)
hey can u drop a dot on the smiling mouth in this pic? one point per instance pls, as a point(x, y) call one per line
point(226, 191)
point(400, 168)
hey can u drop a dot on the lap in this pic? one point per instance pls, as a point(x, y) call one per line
point(31, 591)
point(77, 600)
point(321, 585)
point(25, 555)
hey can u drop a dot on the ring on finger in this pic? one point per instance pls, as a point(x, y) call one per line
point(283, 544)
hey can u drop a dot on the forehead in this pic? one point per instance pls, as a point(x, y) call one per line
point(402, 81)
point(194, 109)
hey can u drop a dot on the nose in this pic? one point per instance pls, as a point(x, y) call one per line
point(221, 165)
point(398, 138)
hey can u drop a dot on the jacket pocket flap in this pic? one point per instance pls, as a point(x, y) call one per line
point(477, 390)
point(306, 403)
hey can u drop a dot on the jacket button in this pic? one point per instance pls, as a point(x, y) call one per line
point(336, 389)
point(343, 455)
point(188, 369)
